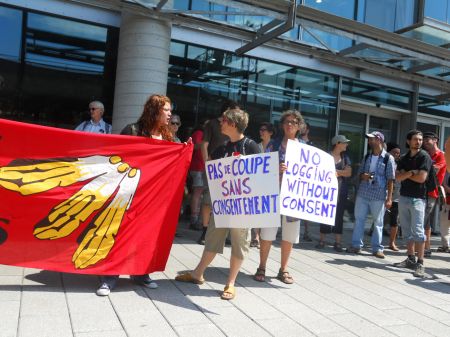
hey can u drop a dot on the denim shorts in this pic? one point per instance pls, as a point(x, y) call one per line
point(412, 213)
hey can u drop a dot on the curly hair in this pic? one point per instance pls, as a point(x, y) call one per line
point(295, 114)
point(150, 116)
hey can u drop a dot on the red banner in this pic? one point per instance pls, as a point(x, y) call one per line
point(88, 203)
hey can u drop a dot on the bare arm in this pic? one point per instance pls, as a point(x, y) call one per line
point(390, 189)
point(204, 148)
point(346, 172)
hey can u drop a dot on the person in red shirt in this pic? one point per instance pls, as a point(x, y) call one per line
point(430, 140)
point(196, 171)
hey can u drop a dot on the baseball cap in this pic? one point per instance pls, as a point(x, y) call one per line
point(376, 134)
point(339, 139)
point(430, 134)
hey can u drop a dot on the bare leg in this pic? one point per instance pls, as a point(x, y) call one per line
point(428, 238)
point(264, 250)
point(420, 248)
point(286, 248)
point(195, 201)
point(392, 236)
point(235, 266)
point(205, 261)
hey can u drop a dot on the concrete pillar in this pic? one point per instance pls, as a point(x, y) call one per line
point(142, 66)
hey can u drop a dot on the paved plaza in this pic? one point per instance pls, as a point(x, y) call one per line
point(335, 294)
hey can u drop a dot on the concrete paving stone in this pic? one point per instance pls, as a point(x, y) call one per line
point(10, 282)
point(101, 334)
point(284, 327)
point(150, 331)
point(10, 271)
point(34, 277)
point(10, 292)
point(143, 320)
point(234, 322)
point(407, 330)
point(103, 318)
point(43, 303)
point(341, 334)
point(310, 319)
point(415, 318)
point(45, 326)
point(9, 311)
point(203, 330)
point(181, 311)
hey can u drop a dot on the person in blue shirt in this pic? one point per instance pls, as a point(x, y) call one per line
point(376, 174)
point(96, 124)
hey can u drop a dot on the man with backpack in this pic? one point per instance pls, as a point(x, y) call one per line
point(412, 172)
point(437, 174)
point(376, 174)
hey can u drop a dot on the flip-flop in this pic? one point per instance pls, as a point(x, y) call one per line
point(187, 277)
point(228, 293)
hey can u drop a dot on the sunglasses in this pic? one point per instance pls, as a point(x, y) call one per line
point(290, 123)
point(90, 109)
point(263, 129)
point(175, 123)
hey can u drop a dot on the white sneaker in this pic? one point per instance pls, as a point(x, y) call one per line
point(104, 290)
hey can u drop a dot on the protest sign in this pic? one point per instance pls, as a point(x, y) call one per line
point(309, 189)
point(245, 191)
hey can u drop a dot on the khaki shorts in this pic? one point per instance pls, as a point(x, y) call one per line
point(290, 231)
point(215, 240)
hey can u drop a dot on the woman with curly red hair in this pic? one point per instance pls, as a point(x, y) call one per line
point(153, 123)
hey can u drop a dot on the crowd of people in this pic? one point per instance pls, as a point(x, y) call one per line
point(399, 190)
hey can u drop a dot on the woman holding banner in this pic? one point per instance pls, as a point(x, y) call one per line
point(233, 124)
point(153, 123)
point(343, 171)
point(291, 124)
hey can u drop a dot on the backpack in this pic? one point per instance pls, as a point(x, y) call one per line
point(432, 181)
point(385, 160)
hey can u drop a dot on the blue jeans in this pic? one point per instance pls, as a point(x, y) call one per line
point(362, 208)
point(412, 214)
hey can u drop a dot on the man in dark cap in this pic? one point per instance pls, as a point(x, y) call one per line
point(430, 140)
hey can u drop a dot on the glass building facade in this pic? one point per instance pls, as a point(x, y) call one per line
point(52, 67)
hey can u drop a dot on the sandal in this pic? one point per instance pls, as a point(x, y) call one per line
point(285, 277)
point(442, 249)
point(187, 277)
point(260, 275)
point(228, 293)
point(320, 245)
point(338, 247)
point(254, 243)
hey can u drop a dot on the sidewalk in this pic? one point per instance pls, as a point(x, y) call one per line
point(335, 294)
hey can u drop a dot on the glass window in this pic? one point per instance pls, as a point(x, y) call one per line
point(381, 14)
point(200, 84)
point(436, 9)
point(10, 33)
point(181, 4)
point(67, 64)
point(375, 94)
point(344, 8)
point(405, 14)
point(388, 127)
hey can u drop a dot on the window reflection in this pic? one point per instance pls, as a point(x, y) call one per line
point(202, 81)
point(66, 65)
point(11, 26)
point(375, 94)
